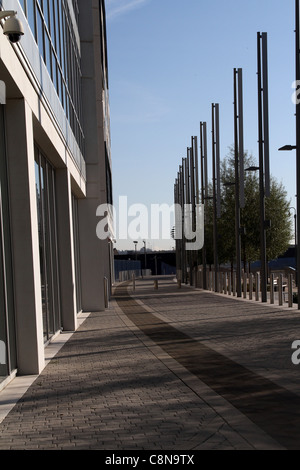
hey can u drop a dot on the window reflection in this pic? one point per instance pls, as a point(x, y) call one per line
point(53, 28)
point(45, 196)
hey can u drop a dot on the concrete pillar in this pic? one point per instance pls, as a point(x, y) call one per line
point(92, 258)
point(66, 250)
point(25, 242)
point(94, 253)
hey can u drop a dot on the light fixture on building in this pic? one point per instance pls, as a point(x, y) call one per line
point(13, 27)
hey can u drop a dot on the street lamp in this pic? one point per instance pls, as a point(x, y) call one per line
point(288, 148)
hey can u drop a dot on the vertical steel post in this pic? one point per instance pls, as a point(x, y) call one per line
point(193, 208)
point(298, 143)
point(266, 114)
point(263, 256)
point(214, 164)
point(183, 215)
point(218, 162)
point(237, 192)
point(197, 196)
point(241, 138)
point(204, 189)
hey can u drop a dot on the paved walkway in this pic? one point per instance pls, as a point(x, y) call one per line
point(167, 369)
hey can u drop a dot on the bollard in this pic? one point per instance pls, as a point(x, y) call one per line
point(280, 294)
point(133, 283)
point(234, 284)
point(290, 290)
point(257, 286)
point(245, 285)
point(156, 284)
point(250, 286)
point(272, 299)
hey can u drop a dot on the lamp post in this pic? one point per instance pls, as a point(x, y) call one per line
point(297, 146)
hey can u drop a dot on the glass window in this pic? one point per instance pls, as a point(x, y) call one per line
point(40, 34)
point(59, 78)
point(57, 31)
point(53, 28)
point(31, 15)
point(54, 70)
point(22, 3)
point(45, 191)
point(52, 21)
point(46, 13)
point(48, 54)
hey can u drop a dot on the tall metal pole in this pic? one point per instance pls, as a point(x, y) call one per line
point(241, 138)
point(215, 194)
point(204, 193)
point(298, 142)
point(197, 195)
point(196, 198)
point(263, 255)
point(184, 263)
point(192, 203)
point(237, 191)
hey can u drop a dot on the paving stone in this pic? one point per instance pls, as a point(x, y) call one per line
point(112, 387)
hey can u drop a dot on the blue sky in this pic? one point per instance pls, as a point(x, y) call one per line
point(168, 61)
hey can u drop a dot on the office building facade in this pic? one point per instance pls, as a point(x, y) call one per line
point(55, 170)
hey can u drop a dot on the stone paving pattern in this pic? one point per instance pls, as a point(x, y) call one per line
point(113, 386)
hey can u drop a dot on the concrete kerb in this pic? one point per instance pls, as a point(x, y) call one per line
point(243, 430)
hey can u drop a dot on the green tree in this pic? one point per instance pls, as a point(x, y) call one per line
point(279, 234)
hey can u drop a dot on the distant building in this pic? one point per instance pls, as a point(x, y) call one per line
point(55, 170)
